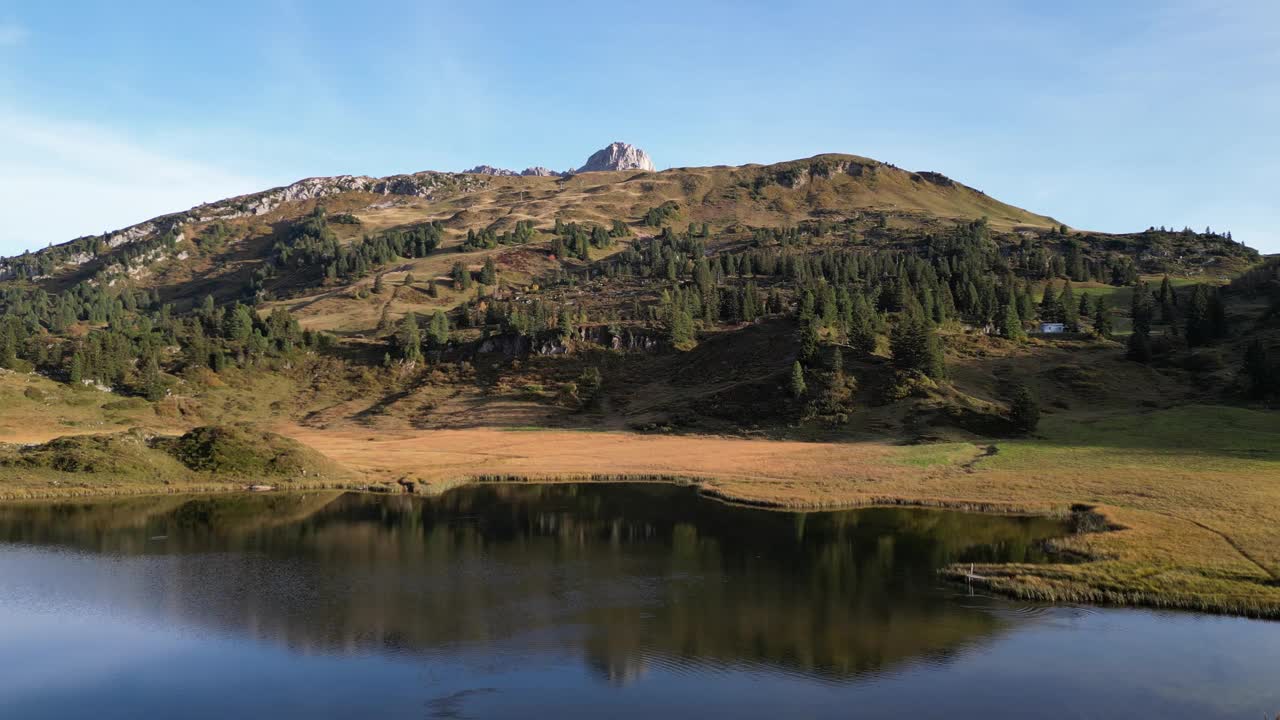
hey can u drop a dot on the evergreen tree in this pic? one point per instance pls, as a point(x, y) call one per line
point(1199, 328)
point(76, 372)
point(152, 384)
point(1168, 301)
point(862, 333)
point(410, 339)
point(809, 341)
point(461, 276)
point(1068, 309)
point(1141, 308)
point(564, 324)
point(1049, 308)
point(1011, 324)
point(489, 273)
point(798, 386)
point(679, 327)
point(1102, 318)
point(915, 346)
point(438, 331)
point(1024, 410)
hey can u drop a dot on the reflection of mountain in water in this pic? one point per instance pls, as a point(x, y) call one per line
point(623, 575)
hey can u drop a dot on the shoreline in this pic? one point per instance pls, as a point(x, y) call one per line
point(1047, 582)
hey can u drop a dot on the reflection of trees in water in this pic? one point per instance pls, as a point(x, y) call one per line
point(623, 575)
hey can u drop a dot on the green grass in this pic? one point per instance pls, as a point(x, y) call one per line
point(1201, 437)
point(937, 455)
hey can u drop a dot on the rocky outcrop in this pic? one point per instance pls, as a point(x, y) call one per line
point(800, 173)
point(538, 171)
point(618, 156)
point(490, 170)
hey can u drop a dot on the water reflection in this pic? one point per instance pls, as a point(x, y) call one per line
point(623, 576)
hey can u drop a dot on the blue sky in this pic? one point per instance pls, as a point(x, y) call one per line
point(1108, 116)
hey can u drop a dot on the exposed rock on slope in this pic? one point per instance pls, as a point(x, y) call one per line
point(618, 156)
point(537, 171)
point(489, 170)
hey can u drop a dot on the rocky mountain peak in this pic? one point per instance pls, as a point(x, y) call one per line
point(618, 156)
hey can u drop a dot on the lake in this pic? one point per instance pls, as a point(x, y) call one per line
point(573, 601)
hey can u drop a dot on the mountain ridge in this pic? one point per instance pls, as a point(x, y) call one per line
point(424, 184)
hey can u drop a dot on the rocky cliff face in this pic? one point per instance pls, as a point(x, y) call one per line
point(618, 156)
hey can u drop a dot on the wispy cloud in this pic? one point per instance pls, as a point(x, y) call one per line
point(63, 180)
point(12, 34)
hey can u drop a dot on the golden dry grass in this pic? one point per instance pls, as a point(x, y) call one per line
point(1198, 527)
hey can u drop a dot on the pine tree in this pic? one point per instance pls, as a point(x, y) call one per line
point(798, 386)
point(564, 324)
point(1168, 301)
point(438, 332)
point(679, 327)
point(1067, 307)
point(461, 276)
point(1085, 310)
point(915, 346)
point(1102, 318)
point(1141, 308)
point(1199, 329)
point(1011, 324)
point(809, 341)
point(862, 333)
point(76, 372)
point(489, 273)
point(1050, 311)
point(152, 385)
point(1024, 410)
point(410, 339)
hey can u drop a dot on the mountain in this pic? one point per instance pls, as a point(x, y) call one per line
point(486, 198)
point(711, 298)
point(618, 156)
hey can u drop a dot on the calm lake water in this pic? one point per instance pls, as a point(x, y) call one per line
point(572, 601)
